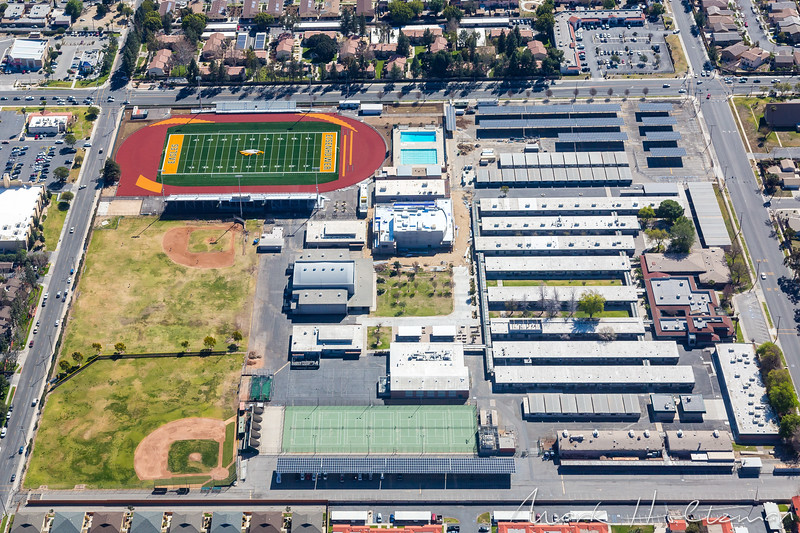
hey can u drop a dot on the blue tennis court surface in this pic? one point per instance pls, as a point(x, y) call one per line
point(380, 429)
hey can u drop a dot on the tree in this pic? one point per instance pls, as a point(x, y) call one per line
point(64, 365)
point(545, 23)
point(74, 9)
point(184, 344)
point(91, 113)
point(152, 22)
point(609, 4)
point(669, 210)
point(416, 6)
point(452, 13)
point(67, 196)
point(782, 397)
point(789, 425)
point(323, 48)
point(61, 173)
point(192, 72)
point(403, 44)
point(70, 139)
point(681, 235)
point(77, 357)
point(645, 90)
point(658, 235)
point(771, 182)
point(262, 20)
point(97, 347)
point(111, 171)
point(646, 214)
point(120, 347)
point(102, 10)
point(209, 342)
point(435, 6)
point(400, 12)
point(656, 10)
point(591, 303)
point(769, 357)
point(396, 73)
point(237, 336)
point(193, 25)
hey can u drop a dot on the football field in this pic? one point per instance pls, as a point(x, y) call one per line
point(256, 153)
point(380, 429)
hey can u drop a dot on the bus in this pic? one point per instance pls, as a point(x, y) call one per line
point(349, 104)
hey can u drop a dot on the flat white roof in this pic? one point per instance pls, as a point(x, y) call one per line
point(436, 366)
point(17, 209)
point(533, 293)
point(558, 264)
point(560, 223)
point(336, 231)
point(566, 326)
point(534, 206)
point(434, 188)
point(569, 244)
point(563, 351)
point(746, 393)
point(27, 49)
point(316, 338)
point(554, 376)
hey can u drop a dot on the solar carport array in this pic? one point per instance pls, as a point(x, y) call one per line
point(527, 127)
point(397, 465)
point(554, 111)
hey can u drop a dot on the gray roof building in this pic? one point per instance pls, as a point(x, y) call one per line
point(226, 522)
point(147, 522)
point(71, 522)
point(28, 522)
point(710, 224)
point(595, 444)
point(303, 523)
point(715, 445)
point(186, 523)
point(268, 522)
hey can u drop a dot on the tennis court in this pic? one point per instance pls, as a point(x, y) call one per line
point(384, 430)
point(268, 153)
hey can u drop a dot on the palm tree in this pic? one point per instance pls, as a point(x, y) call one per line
point(610, 92)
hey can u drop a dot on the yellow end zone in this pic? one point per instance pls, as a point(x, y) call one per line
point(327, 160)
point(179, 121)
point(148, 184)
point(332, 120)
point(174, 146)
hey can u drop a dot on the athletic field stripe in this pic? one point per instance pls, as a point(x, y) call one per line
point(350, 151)
point(174, 146)
point(327, 158)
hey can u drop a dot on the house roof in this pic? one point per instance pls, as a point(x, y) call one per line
point(186, 523)
point(226, 522)
point(147, 522)
point(26, 522)
point(269, 522)
point(106, 523)
point(68, 522)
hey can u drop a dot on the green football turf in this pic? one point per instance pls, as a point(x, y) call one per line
point(380, 429)
point(210, 154)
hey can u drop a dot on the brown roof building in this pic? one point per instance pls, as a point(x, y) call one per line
point(213, 47)
point(275, 8)
point(329, 9)
point(250, 9)
point(308, 9)
point(364, 7)
point(537, 49)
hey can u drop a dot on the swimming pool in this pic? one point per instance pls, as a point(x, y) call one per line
point(417, 136)
point(418, 156)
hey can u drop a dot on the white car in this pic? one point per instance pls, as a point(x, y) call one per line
point(763, 275)
point(87, 144)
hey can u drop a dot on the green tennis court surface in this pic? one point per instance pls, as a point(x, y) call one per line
point(431, 429)
point(250, 153)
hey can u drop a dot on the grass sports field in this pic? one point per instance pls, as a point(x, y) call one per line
point(131, 292)
point(380, 429)
point(92, 424)
point(255, 153)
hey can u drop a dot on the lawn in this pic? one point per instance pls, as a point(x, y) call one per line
point(378, 337)
point(645, 528)
point(751, 114)
point(131, 292)
point(53, 224)
point(179, 461)
point(558, 282)
point(745, 283)
point(75, 170)
point(679, 63)
point(58, 84)
point(92, 424)
point(421, 294)
point(229, 446)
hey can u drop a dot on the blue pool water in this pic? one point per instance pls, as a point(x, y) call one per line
point(417, 136)
point(418, 156)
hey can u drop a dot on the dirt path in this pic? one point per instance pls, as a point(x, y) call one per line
point(176, 245)
point(150, 460)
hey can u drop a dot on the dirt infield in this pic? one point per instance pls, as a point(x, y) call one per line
point(152, 454)
point(140, 155)
point(176, 245)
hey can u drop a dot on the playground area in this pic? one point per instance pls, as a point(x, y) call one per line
point(424, 429)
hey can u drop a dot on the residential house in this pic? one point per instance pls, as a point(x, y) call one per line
point(796, 55)
point(776, 17)
point(308, 9)
point(365, 7)
point(716, 11)
point(218, 10)
point(333, 66)
point(167, 6)
point(284, 48)
point(525, 34)
point(722, 4)
point(329, 9)
point(159, 66)
point(439, 44)
point(262, 56)
point(383, 50)
point(233, 56)
point(783, 61)
point(349, 47)
point(537, 49)
point(250, 9)
point(213, 47)
point(275, 8)
point(400, 61)
point(235, 73)
point(309, 34)
point(720, 23)
point(369, 71)
point(725, 38)
point(733, 52)
point(754, 58)
point(415, 35)
point(169, 41)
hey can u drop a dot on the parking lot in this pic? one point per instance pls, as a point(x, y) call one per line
point(621, 50)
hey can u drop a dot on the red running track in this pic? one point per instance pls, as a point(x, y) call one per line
point(361, 152)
